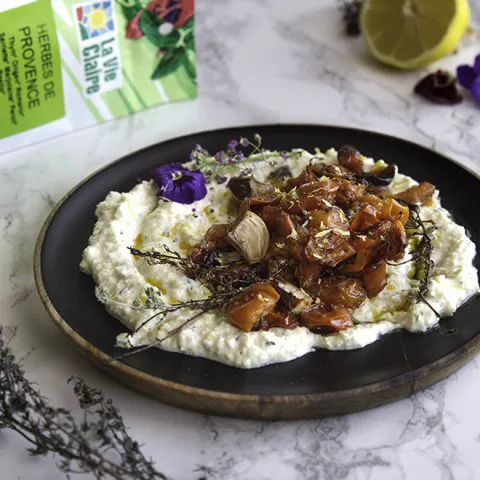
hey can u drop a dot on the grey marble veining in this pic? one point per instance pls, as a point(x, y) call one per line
point(259, 62)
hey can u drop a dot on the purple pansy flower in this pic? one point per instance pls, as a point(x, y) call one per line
point(179, 184)
point(469, 77)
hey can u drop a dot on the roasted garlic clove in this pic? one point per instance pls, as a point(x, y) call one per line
point(250, 237)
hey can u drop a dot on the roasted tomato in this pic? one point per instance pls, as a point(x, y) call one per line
point(278, 320)
point(306, 176)
point(338, 171)
point(371, 199)
point(326, 319)
point(269, 214)
point(393, 234)
point(263, 200)
point(392, 210)
point(315, 195)
point(328, 248)
point(348, 192)
point(277, 220)
point(346, 292)
point(375, 279)
point(285, 225)
point(363, 242)
point(361, 260)
point(292, 205)
point(421, 193)
point(364, 219)
point(215, 238)
point(283, 268)
point(369, 252)
point(296, 248)
point(350, 158)
point(248, 307)
point(308, 274)
point(217, 234)
point(328, 218)
point(398, 241)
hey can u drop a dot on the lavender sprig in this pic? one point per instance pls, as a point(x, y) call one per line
point(99, 444)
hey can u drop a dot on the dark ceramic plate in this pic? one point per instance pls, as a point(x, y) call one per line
point(320, 383)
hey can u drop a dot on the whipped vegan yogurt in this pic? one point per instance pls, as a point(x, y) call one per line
point(141, 219)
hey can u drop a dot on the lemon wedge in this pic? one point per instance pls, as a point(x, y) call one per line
point(410, 34)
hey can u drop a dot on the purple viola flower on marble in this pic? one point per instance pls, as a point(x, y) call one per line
point(469, 77)
point(178, 184)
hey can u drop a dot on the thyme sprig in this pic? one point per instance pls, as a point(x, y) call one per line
point(222, 277)
point(202, 306)
point(99, 444)
point(421, 253)
point(223, 280)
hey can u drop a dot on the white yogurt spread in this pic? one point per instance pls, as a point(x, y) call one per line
point(139, 218)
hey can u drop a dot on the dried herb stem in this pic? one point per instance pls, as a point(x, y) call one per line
point(99, 444)
point(421, 253)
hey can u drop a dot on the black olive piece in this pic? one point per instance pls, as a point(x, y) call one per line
point(382, 178)
point(248, 187)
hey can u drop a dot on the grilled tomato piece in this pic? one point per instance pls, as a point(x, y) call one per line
point(328, 218)
point(248, 307)
point(328, 248)
point(421, 193)
point(346, 292)
point(350, 158)
point(325, 319)
point(375, 279)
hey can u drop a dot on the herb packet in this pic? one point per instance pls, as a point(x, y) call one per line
point(69, 64)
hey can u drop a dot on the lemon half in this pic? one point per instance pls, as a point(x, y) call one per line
point(410, 34)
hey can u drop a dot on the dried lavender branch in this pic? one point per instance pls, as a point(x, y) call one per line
point(99, 444)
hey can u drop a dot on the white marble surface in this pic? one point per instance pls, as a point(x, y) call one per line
point(260, 61)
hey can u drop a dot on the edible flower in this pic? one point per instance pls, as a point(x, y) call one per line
point(469, 77)
point(439, 87)
point(178, 184)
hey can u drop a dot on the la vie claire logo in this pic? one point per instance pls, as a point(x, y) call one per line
point(99, 52)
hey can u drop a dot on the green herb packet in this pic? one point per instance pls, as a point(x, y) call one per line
point(68, 64)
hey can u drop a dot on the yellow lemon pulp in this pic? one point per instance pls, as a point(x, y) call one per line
point(410, 34)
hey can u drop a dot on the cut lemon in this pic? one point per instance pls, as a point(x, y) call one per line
point(410, 34)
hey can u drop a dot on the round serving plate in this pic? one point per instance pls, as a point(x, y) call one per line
point(318, 384)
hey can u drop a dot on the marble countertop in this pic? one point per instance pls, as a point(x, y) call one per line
point(260, 61)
